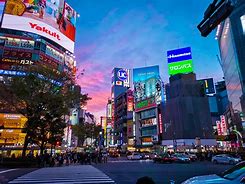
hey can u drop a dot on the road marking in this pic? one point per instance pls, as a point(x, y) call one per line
point(65, 175)
point(7, 170)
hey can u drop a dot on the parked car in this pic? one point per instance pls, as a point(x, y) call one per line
point(192, 156)
point(153, 155)
point(225, 159)
point(234, 175)
point(134, 156)
point(164, 158)
point(182, 158)
point(145, 156)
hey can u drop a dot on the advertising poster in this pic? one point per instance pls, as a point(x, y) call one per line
point(145, 80)
point(53, 19)
point(180, 61)
point(142, 74)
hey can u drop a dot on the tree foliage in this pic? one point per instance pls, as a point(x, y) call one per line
point(84, 130)
point(44, 97)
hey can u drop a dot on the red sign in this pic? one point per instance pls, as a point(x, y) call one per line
point(219, 129)
point(223, 125)
point(17, 54)
point(130, 105)
point(160, 123)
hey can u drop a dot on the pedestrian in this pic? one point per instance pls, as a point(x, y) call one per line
point(105, 155)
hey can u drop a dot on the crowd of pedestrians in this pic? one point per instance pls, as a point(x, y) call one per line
point(71, 157)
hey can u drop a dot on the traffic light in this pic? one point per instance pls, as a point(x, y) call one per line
point(210, 22)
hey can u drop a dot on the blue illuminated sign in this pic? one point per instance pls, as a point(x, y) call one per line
point(179, 55)
point(19, 73)
point(122, 75)
point(12, 72)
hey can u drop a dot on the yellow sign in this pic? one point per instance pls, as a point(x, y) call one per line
point(12, 120)
point(12, 138)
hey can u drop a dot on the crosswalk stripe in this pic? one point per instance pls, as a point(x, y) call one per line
point(65, 175)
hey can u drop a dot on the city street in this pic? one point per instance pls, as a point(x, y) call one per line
point(120, 171)
point(127, 171)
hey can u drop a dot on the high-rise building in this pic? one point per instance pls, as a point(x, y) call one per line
point(148, 102)
point(120, 85)
point(231, 39)
point(123, 113)
point(186, 113)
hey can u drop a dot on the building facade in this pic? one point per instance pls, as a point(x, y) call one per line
point(186, 113)
point(231, 40)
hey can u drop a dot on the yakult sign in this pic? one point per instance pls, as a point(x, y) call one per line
point(180, 61)
point(53, 19)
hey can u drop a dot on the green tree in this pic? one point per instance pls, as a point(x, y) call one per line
point(44, 97)
point(84, 130)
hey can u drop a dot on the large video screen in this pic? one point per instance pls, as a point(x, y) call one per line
point(53, 19)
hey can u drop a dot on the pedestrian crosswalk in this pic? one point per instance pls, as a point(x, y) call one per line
point(82, 174)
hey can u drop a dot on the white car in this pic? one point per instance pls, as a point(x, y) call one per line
point(225, 159)
point(134, 156)
point(234, 175)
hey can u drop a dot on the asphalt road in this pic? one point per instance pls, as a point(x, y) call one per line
point(10, 174)
point(123, 171)
point(127, 172)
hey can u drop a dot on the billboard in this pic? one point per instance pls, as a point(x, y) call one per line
point(52, 19)
point(145, 104)
point(147, 83)
point(142, 74)
point(179, 61)
point(208, 85)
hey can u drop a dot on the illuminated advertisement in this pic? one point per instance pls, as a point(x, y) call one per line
point(180, 61)
point(243, 23)
point(223, 125)
point(208, 85)
point(53, 19)
point(54, 54)
point(12, 72)
point(219, 129)
point(122, 77)
point(12, 120)
point(142, 74)
point(145, 83)
point(160, 123)
point(149, 122)
point(19, 43)
point(145, 104)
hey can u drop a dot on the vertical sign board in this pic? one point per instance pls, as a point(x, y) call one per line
point(160, 123)
point(179, 61)
point(219, 129)
point(223, 125)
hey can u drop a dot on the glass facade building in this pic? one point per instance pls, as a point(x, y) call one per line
point(231, 39)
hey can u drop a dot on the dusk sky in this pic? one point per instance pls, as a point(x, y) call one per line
point(137, 33)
